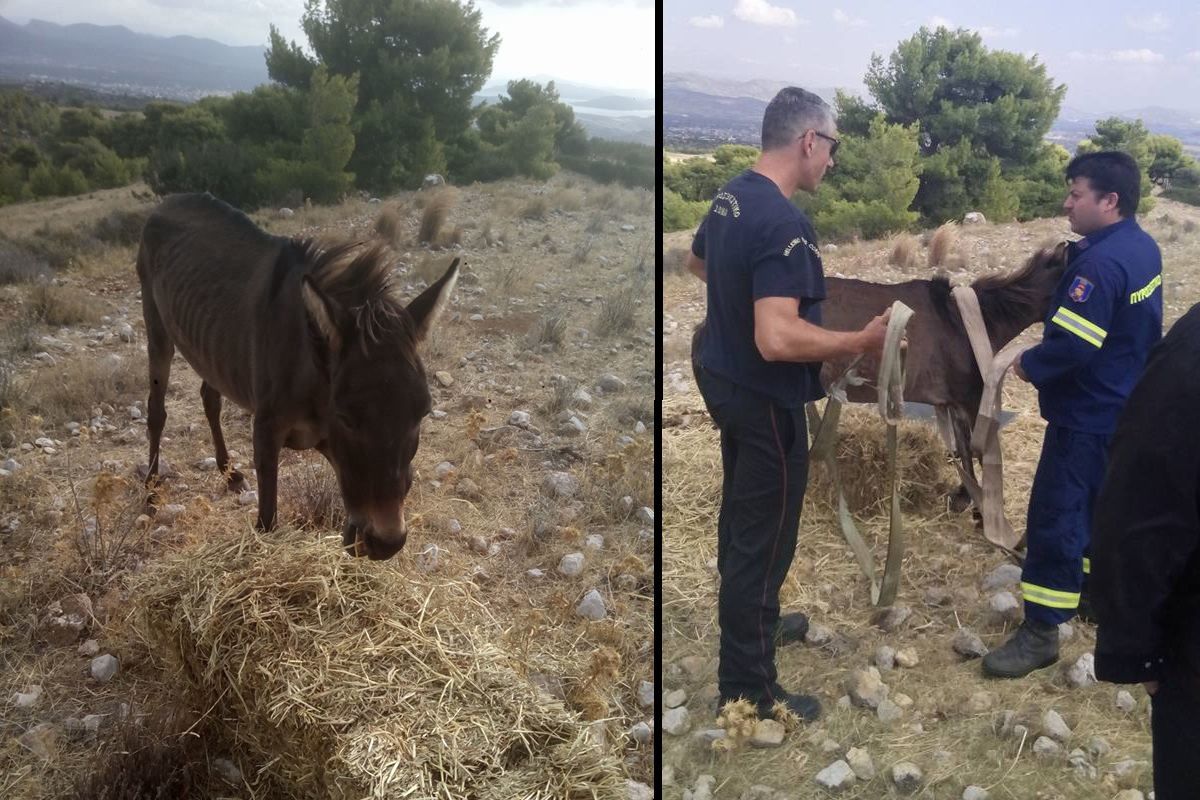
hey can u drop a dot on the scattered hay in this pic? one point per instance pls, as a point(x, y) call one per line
point(943, 242)
point(926, 474)
point(342, 678)
point(69, 392)
point(437, 208)
point(906, 251)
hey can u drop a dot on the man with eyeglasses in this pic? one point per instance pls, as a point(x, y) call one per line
point(758, 361)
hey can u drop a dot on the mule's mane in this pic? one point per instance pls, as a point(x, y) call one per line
point(1012, 296)
point(358, 278)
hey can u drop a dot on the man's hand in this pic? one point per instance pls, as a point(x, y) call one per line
point(1151, 687)
point(874, 333)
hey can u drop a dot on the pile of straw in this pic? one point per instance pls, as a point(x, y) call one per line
point(342, 678)
point(927, 475)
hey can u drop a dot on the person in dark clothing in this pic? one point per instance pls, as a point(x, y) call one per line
point(1146, 555)
point(758, 364)
point(1105, 317)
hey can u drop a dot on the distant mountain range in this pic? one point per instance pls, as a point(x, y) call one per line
point(703, 111)
point(113, 60)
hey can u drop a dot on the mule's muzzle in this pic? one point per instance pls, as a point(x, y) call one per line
point(362, 541)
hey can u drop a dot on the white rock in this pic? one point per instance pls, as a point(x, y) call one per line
point(453, 527)
point(445, 378)
point(1002, 577)
point(974, 218)
point(248, 498)
point(675, 699)
point(967, 643)
point(28, 698)
point(907, 657)
point(610, 384)
point(818, 635)
point(560, 485)
point(641, 733)
point(443, 470)
point(1004, 604)
point(1054, 726)
point(535, 573)
point(520, 419)
point(592, 606)
point(767, 733)
point(888, 712)
point(104, 667)
point(645, 515)
point(89, 648)
point(907, 776)
point(1083, 672)
point(676, 721)
point(1046, 747)
point(639, 428)
point(860, 761)
point(429, 558)
point(836, 777)
point(865, 687)
point(885, 658)
point(169, 513)
point(645, 694)
point(594, 541)
point(975, 793)
point(571, 564)
point(1125, 701)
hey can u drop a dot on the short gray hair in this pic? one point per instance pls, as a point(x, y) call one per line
point(791, 112)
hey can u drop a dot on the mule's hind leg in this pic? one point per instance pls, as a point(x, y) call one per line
point(212, 409)
point(961, 499)
point(160, 350)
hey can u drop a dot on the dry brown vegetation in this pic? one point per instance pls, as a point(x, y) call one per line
point(544, 699)
point(951, 729)
point(905, 252)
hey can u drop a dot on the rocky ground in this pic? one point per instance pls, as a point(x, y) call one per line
point(535, 471)
point(907, 711)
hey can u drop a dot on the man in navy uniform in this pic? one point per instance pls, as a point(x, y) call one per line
point(758, 364)
point(1105, 317)
point(1146, 555)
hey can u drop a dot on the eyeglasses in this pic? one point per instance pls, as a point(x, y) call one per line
point(833, 147)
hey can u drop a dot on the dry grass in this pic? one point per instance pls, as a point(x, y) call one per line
point(567, 199)
point(942, 244)
point(605, 197)
point(550, 329)
point(906, 252)
point(68, 391)
point(535, 209)
point(18, 265)
point(365, 681)
point(436, 210)
point(431, 267)
point(618, 311)
point(390, 225)
point(56, 305)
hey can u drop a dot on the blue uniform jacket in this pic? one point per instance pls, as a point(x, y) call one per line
point(1105, 316)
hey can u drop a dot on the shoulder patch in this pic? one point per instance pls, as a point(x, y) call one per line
point(1081, 290)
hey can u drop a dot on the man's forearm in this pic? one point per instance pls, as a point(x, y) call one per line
point(800, 340)
point(697, 267)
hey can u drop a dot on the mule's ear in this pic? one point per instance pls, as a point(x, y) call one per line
point(428, 305)
point(1060, 253)
point(322, 314)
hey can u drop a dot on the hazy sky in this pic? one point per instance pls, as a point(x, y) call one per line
point(591, 41)
point(1113, 55)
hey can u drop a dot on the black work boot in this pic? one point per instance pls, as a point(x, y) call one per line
point(791, 628)
point(804, 706)
point(1033, 646)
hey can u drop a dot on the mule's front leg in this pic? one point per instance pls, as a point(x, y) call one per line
point(266, 465)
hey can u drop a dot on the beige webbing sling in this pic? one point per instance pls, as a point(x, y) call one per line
point(985, 438)
point(824, 448)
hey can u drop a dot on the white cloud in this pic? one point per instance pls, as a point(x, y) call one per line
point(760, 12)
point(1155, 23)
point(1143, 56)
point(842, 18)
point(989, 32)
point(711, 21)
point(936, 22)
point(1193, 56)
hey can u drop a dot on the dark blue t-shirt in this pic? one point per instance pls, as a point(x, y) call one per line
point(755, 243)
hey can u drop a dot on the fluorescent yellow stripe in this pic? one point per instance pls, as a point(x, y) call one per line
point(1087, 566)
point(1071, 327)
point(1052, 598)
point(1147, 290)
point(1083, 321)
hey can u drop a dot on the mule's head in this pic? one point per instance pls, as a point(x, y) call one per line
point(378, 397)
